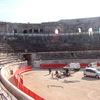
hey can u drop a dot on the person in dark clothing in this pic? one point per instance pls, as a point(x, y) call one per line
point(67, 71)
point(49, 70)
point(56, 72)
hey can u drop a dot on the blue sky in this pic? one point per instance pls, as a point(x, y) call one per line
point(37, 11)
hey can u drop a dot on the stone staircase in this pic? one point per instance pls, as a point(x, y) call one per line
point(8, 59)
point(5, 94)
point(5, 48)
point(7, 56)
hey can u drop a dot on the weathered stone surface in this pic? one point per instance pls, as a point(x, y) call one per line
point(64, 26)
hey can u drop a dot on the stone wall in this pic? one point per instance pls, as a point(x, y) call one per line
point(53, 42)
point(68, 55)
point(66, 61)
point(64, 26)
point(33, 38)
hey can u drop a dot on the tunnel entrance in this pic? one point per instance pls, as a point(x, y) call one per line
point(28, 58)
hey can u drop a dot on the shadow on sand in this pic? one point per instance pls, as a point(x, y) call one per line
point(90, 78)
point(46, 74)
point(67, 81)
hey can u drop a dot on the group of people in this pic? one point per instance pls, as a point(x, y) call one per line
point(57, 74)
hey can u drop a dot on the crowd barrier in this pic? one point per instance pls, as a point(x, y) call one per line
point(18, 78)
point(83, 65)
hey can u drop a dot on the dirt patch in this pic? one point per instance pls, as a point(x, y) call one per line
point(74, 87)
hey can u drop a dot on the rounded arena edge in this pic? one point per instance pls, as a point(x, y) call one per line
point(10, 69)
point(5, 72)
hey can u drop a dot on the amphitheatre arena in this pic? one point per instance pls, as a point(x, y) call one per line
point(28, 50)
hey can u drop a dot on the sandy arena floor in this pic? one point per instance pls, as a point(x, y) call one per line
point(75, 87)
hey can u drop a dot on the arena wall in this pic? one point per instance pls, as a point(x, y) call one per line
point(41, 39)
point(66, 61)
point(52, 42)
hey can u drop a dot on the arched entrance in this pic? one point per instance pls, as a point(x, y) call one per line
point(28, 58)
point(57, 31)
point(25, 31)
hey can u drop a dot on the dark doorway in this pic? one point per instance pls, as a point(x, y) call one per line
point(41, 30)
point(35, 30)
point(15, 30)
point(72, 54)
point(30, 30)
point(25, 31)
point(28, 58)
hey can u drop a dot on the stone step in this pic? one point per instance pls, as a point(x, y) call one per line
point(8, 61)
point(6, 95)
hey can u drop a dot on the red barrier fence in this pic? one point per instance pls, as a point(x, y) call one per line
point(83, 65)
point(18, 78)
point(52, 65)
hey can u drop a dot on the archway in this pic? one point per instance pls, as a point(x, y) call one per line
point(35, 30)
point(15, 31)
point(80, 29)
point(90, 31)
point(57, 31)
point(28, 58)
point(41, 30)
point(30, 30)
point(25, 31)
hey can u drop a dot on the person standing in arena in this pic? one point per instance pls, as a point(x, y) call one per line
point(49, 70)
